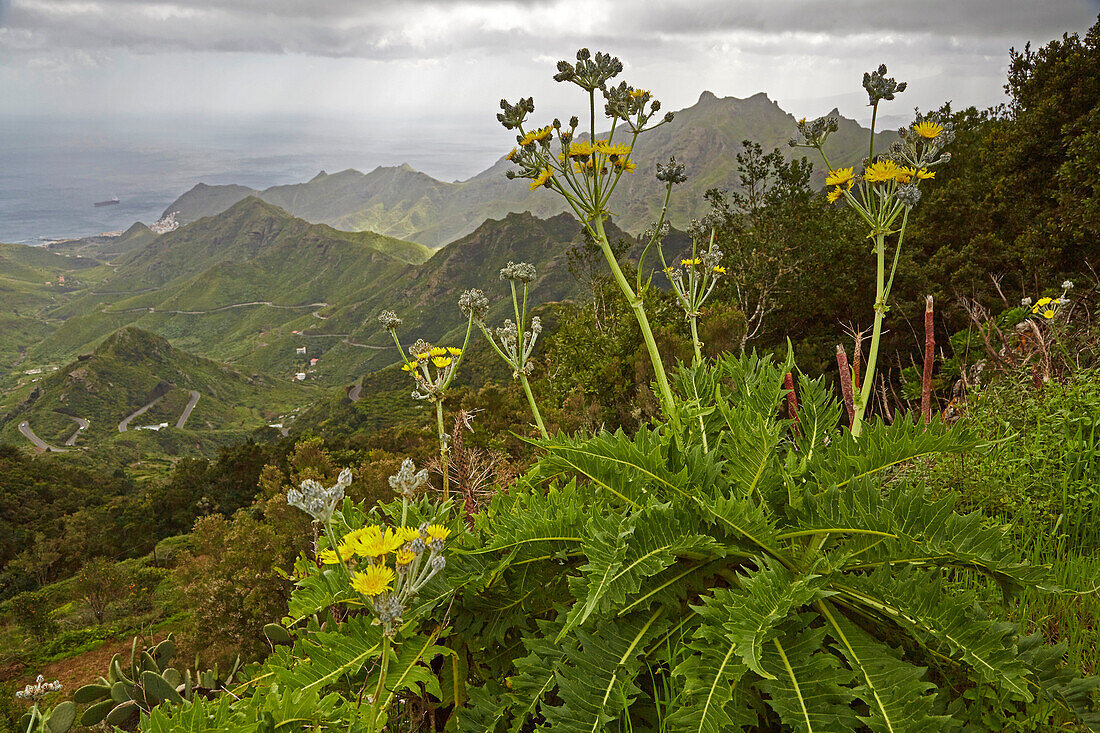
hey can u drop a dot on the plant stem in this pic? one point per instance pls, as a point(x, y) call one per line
point(635, 302)
point(376, 704)
point(864, 396)
point(444, 450)
point(695, 342)
point(34, 716)
point(534, 405)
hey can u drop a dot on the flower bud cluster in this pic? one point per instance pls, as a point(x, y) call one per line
point(474, 304)
point(318, 500)
point(388, 320)
point(694, 280)
point(408, 481)
point(37, 691)
point(589, 73)
point(880, 87)
point(671, 172)
point(514, 114)
point(814, 134)
point(523, 272)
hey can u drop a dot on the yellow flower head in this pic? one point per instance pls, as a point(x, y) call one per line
point(328, 557)
point(635, 93)
point(905, 175)
point(536, 136)
point(438, 351)
point(1044, 301)
point(720, 270)
point(928, 130)
point(441, 361)
point(425, 355)
point(834, 194)
point(404, 557)
point(584, 166)
point(608, 149)
point(409, 366)
point(543, 177)
point(373, 581)
point(511, 155)
point(1048, 314)
point(376, 543)
point(580, 149)
point(626, 165)
point(840, 176)
point(437, 532)
point(407, 534)
point(882, 171)
point(924, 174)
point(454, 351)
point(690, 263)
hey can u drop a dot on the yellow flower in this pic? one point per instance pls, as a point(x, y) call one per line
point(924, 174)
point(834, 194)
point(626, 165)
point(425, 355)
point(511, 155)
point(409, 366)
point(608, 149)
point(404, 557)
point(840, 176)
point(881, 172)
point(441, 361)
point(453, 351)
point(328, 557)
point(437, 532)
point(536, 136)
point(437, 351)
point(542, 178)
point(584, 166)
point(720, 270)
point(904, 175)
point(689, 263)
point(928, 130)
point(407, 534)
point(1044, 301)
point(373, 581)
point(638, 93)
point(1048, 314)
point(580, 149)
point(376, 543)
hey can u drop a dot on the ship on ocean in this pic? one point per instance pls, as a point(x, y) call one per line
point(108, 202)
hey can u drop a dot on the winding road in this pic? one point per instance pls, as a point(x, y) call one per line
point(125, 424)
point(25, 428)
point(81, 423)
point(187, 410)
point(153, 309)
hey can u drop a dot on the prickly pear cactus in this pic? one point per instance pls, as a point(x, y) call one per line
point(147, 681)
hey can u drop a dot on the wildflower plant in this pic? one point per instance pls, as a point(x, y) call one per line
point(55, 720)
point(433, 369)
point(693, 281)
point(384, 566)
point(514, 342)
point(882, 194)
point(586, 171)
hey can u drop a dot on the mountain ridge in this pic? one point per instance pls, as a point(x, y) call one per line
point(401, 202)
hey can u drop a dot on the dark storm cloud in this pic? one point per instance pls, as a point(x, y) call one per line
point(434, 29)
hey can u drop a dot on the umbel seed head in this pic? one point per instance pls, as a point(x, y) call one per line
point(474, 304)
point(388, 320)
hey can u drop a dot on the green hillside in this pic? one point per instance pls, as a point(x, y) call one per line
point(228, 285)
point(134, 369)
point(404, 203)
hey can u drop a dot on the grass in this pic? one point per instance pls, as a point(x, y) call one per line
point(1037, 477)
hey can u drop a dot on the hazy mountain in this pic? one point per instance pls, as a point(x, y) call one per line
point(401, 202)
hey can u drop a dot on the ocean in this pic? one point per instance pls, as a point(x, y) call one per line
point(52, 171)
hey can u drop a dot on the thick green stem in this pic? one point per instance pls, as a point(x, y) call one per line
point(34, 717)
point(444, 450)
point(695, 342)
point(863, 398)
point(534, 405)
point(376, 704)
point(635, 302)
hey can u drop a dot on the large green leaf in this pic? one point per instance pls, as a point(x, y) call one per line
point(898, 697)
point(810, 689)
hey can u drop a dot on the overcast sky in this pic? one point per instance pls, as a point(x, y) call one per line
point(395, 62)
